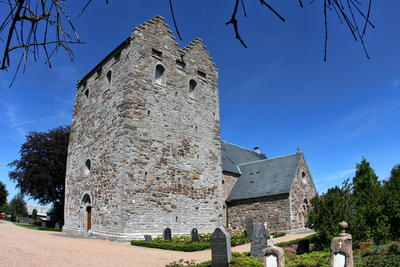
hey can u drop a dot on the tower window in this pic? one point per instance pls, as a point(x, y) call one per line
point(192, 88)
point(109, 78)
point(159, 75)
point(157, 54)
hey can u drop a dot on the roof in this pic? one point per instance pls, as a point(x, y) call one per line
point(266, 177)
point(233, 155)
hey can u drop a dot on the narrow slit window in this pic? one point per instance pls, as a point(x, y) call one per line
point(87, 93)
point(159, 74)
point(192, 88)
point(109, 78)
point(156, 53)
point(201, 74)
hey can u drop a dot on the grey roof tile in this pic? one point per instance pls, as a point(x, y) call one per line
point(266, 177)
point(233, 155)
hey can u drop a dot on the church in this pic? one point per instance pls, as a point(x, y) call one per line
point(145, 149)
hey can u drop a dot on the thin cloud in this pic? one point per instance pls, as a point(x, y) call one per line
point(337, 175)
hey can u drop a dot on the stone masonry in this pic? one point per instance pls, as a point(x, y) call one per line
point(144, 150)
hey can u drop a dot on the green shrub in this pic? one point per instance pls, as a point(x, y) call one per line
point(196, 246)
point(295, 242)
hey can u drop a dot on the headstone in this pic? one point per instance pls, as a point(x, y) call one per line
point(194, 234)
point(249, 226)
point(221, 252)
point(167, 234)
point(43, 225)
point(57, 225)
point(303, 246)
point(220, 220)
point(148, 238)
point(258, 240)
point(273, 257)
point(342, 249)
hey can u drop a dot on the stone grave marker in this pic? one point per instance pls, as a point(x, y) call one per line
point(57, 225)
point(258, 240)
point(148, 238)
point(194, 234)
point(249, 226)
point(167, 234)
point(43, 225)
point(303, 246)
point(221, 252)
point(342, 249)
point(273, 257)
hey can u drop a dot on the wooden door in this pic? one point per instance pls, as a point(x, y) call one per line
point(89, 218)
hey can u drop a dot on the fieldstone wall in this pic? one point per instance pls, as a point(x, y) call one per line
point(273, 210)
point(228, 181)
point(144, 149)
point(302, 191)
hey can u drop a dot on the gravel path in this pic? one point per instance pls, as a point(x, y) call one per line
point(24, 247)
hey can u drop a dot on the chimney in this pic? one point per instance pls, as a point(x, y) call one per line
point(257, 150)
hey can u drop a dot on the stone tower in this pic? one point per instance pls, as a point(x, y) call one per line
point(144, 150)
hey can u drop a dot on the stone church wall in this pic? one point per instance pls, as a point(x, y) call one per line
point(302, 191)
point(144, 150)
point(273, 210)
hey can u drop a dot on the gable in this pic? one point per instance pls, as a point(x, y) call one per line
point(233, 155)
point(266, 177)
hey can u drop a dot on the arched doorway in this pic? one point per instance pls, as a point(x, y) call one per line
point(86, 213)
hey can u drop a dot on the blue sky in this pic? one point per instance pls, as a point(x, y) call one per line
point(276, 94)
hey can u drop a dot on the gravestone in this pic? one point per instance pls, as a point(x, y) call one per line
point(273, 257)
point(194, 234)
point(148, 238)
point(342, 249)
point(221, 252)
point(303, 246)
point(57, 226)
point(258, 240)
point(249, 226)
point(167, 234)
point(43, 225)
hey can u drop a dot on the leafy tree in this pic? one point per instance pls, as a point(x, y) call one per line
point(17, 206)
point(371, 222)
point(3, 193)
point(34, 214)
point(5, 208)
point(328, 210)
point(40, 172)
point(391, 201)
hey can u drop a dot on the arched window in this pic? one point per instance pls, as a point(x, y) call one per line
point(192, 88)
point(109, 78)
point(159, 75)
point(87, 93)
point(87, 167)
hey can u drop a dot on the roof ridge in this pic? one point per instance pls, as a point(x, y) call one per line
point(239, 146)
point(269, 158)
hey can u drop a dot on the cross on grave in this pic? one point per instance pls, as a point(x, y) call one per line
point(271, 241)
point(340, 244)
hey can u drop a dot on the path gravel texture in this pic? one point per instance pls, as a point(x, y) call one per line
point(24, 247)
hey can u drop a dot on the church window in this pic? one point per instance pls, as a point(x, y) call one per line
point(87, 93)
point(180, 64)
point(117, 56)
point(155, 53)
point(159, 75)
point(304, 177)
point(109, 78)
point(192, 88)
point(179, 182)
point(87, 167)
point(201, 74)
point(99, 72)
point(145, 175)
